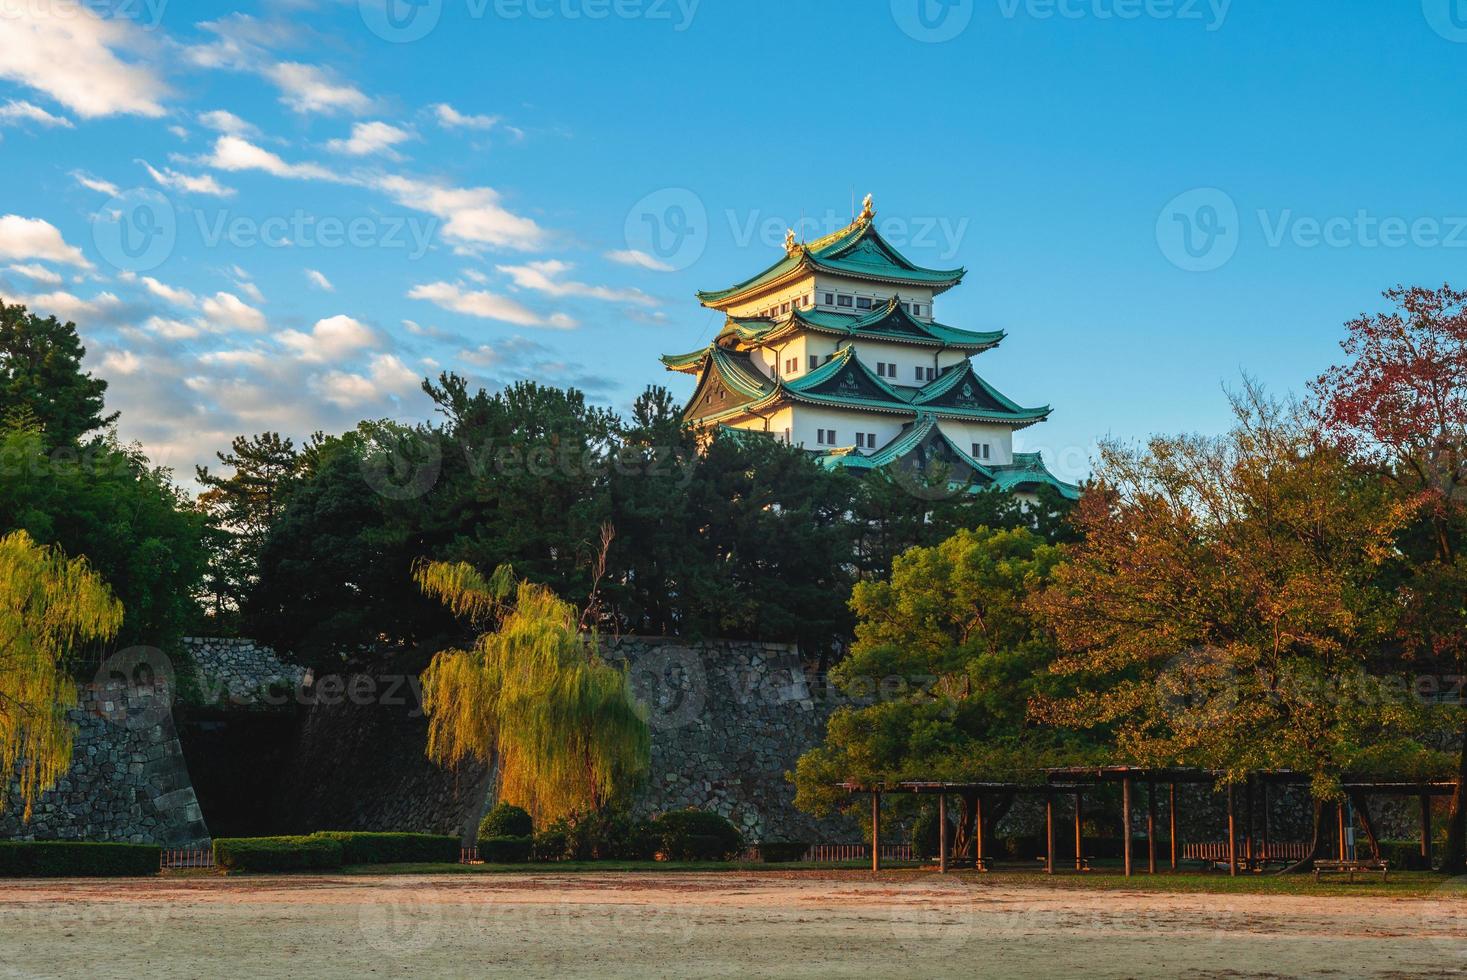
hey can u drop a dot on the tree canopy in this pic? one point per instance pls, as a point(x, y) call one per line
point(42, 384)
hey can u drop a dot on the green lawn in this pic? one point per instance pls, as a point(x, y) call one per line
point(1401, 884)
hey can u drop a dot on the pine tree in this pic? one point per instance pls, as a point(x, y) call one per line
point(41, 378)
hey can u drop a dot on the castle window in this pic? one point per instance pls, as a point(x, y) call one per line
point(982, 450)
point(788, 438)
point(814, 362)
point(784, 308)
point(916, 309)
point(830, 299)
point(926, 373)
point(863, 303)
point(825, 437)
point(843, 301)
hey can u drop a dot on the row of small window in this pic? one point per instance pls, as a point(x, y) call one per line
point(867, 303)
point(798, 303)
point(867, 440)
point(888, 370)
point(792, 364)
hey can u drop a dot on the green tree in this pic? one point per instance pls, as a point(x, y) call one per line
point(242, 508)
point(49, 605)
point(947, 655)
point(532, 698)
point(41, 379)
point(107, 503)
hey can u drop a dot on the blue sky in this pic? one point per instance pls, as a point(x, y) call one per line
point(280, 215)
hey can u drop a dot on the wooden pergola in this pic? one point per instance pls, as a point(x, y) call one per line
point(1072, 782)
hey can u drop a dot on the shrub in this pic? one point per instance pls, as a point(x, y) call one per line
point(1403, 855)
point(696, 835)
point(506, 820)
point(277, 853)
point(506, 850)
point(551, 845)
point(390, 848)
point(604, 835)
point(79, 859)
point(783, 852)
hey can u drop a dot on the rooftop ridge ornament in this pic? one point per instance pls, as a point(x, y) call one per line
point(791, 243)
point(868, 210)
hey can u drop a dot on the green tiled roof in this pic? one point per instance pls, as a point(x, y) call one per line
point(858, 250)
point(960, 387)
point(1028, 469)
point(889, 322)
point(684, 362)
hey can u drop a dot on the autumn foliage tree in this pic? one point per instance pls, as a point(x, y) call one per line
point(1398, 405)
point(1224, 601)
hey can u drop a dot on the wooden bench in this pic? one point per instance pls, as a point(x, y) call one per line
point(1351, 868)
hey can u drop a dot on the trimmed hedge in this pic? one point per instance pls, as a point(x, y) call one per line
point(506, 850)
point(77, 859)
point(697, 835)
point(392, 848)
point(277, 853)
point(506, 820)
point(551, 845)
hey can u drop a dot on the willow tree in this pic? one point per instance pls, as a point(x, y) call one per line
point(49, 605)
point(533, 697)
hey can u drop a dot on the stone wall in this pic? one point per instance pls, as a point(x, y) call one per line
point(729, 720)
point(236, 672)
point(127, 780)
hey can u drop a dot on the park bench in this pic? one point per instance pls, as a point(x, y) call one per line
point(1351, 868)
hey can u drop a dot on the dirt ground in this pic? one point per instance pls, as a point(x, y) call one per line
point(694, 925)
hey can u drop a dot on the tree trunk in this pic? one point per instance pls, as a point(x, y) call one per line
point(1313, 847)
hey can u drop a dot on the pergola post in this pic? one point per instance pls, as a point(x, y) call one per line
point(942, 833)
point(1126, 821)
point(875, 830)
point(1079, 834)
point(1151, 826)
point(1232, 833)
point(1340, 825)
point(1426, 830)
point(1171, 812)
point(978, 833)
point(1049, 833)
point(1248, 822)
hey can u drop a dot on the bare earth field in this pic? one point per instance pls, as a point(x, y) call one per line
point(793, 924)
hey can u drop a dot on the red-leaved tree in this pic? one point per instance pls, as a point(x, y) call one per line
point(1399, 405)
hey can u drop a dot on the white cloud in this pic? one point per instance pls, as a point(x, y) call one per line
point(200, 184)
point(223, 121)
point(39, 273)
point(450, 118)
point(236, 154)
point(640, 260)
point(250, 290)
point(319, 280)
point(469, 214)
point(33, 238)
point(371, 138)
point(228, 310)
point(96, 183)
point(178, 297)
point(309, 89)
point(66, 306)
point(71, 53)
point(13, 112)
point(172, 329)
point(545, 277)
point(486, 305)
point(334, 339)
point(387, 375)
point(116, 362)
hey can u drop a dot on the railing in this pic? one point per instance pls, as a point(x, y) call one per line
point(836, 853)
point(1218, 851)
point(186, 857)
